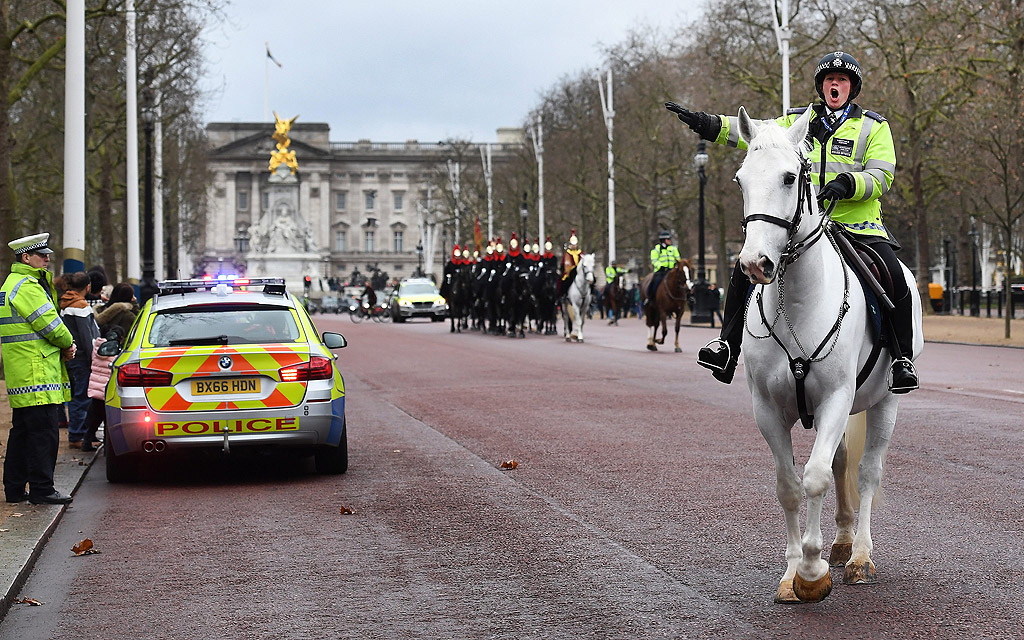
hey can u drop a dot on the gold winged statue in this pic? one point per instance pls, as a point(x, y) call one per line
point(283, 155)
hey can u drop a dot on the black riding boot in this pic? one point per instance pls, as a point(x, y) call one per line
point(904, 375)
point(721, 354)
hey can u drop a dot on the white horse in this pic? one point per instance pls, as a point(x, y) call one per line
point(808, 319)
point(576, 302)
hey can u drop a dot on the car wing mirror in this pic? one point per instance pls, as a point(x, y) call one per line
point(109, 348)
point(334, 340)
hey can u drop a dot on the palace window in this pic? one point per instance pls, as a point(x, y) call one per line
point(243, 200)
point(340, 200)
point(369, 244)
point(399, 241)
point(340, 241)
point(398, 196)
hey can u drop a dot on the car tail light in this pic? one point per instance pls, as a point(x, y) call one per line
point(134, 375)
point(316, 369)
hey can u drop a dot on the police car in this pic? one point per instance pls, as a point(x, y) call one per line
point(226, 365)
point(417, 297)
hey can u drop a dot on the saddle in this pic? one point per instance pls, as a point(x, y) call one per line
point(872, 272)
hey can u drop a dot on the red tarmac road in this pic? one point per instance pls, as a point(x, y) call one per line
point(643, 505)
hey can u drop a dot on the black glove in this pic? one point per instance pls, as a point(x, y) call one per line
point(840, 188)
point(706, 125)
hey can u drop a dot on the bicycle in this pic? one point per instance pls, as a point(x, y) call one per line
point(378, 313)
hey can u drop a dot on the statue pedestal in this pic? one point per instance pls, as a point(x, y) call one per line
point(282, 243)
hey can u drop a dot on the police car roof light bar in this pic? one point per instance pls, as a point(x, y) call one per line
point(270, 285)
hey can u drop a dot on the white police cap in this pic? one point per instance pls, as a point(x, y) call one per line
point(36, 243)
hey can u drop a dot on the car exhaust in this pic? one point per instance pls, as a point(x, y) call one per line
point(148, 446)
point(159, 446)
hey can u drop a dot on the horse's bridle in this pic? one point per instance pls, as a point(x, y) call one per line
point(800, 366)
point(794, 247)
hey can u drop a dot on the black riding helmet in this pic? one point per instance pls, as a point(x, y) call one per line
point(842, 62)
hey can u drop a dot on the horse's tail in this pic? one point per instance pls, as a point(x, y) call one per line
point(855, 435)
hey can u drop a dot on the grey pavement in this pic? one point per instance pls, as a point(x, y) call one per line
point(25, 527)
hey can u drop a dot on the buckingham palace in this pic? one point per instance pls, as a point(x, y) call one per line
point(328, 208)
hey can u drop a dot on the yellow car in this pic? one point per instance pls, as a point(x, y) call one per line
point(224, 365)
point(417, 297)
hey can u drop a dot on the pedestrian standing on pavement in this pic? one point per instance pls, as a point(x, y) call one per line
point(119, 311)
point(98, 378)
point(78, 316)
point(35, 345)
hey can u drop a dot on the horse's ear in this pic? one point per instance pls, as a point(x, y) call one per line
point(798, 131)
point(748, 128)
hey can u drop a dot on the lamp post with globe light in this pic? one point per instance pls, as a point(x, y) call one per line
point(704, 301)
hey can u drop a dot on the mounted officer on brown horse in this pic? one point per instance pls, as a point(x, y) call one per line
point(665, 291)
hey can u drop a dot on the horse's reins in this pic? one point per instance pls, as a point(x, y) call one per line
point(668, 291)
point(793, 250)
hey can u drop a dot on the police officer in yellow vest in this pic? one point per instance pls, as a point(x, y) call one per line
point(664, 257)
point(853, 164)
point(35, 345)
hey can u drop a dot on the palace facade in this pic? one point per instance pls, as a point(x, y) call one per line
point(349, 205)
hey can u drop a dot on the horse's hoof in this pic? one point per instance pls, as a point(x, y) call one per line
point(814, 590)
point(786, 595)
point(651, 347)
point(662, 341)
point(863, 573)
point(840, 554)
point(678, 350)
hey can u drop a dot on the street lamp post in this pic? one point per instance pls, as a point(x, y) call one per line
point(523, 213)
point(148, 287)
point(241, 247)
point(975, 298)
point(705, 301)
point(419, 259)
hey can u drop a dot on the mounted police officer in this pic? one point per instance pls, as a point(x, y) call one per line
point(853, 164)
point(35, 344)
point(664, 257)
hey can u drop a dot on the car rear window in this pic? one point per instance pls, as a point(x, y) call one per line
point(212, 325)
point(418, 289)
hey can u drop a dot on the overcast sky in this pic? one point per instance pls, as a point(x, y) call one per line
point(393, 70)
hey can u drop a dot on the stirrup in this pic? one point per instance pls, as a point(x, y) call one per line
point(712, 358)
point(908, 385)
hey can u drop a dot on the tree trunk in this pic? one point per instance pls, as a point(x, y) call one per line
point(6, 142)
point(105, 199)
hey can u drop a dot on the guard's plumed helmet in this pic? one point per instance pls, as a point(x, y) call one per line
point(572, 238)
point(842, 62)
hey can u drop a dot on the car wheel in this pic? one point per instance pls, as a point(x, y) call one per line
point(333, 460)
point(121, 468)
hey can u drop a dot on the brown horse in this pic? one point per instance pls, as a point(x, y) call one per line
point(614, 301)
point(671, 297)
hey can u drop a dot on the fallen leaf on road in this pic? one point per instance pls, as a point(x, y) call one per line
point(17, 515)
point(31, 601)
point(84, 547)
point(509, 464)
point(345, 511)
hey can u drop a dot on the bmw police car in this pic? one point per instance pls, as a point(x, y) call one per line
point(417, 297)
point(225, 365)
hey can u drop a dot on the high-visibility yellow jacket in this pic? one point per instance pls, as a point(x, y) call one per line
point(861, 146)
point(32, 336)
point(664, 257)
point(610, 273)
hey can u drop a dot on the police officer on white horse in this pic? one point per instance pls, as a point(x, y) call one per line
point(854, 158)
